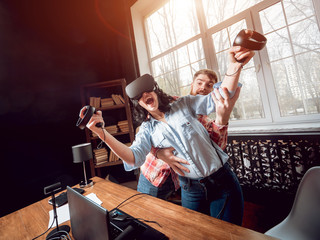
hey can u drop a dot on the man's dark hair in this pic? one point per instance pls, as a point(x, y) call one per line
point(140, 114)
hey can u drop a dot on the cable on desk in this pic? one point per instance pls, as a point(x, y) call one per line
point(45, 231)
point(139, 219)
point(148, 221)
point(130, 198)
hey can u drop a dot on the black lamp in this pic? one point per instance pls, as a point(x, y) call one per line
point(82, 153)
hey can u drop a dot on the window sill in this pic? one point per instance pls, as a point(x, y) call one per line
point(276, 129)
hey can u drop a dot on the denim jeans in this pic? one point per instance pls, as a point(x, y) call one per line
point(162, 192)
point(218, 195)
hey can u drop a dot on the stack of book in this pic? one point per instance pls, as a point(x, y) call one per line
point(95, 101)
point(107, 102)
point(113, 157)
point(100, 156)
point(118, 99)
point(112, 129)
point(123, 126)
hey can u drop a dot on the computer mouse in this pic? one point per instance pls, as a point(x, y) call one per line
point(115, 215)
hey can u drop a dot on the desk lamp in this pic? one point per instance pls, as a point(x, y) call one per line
point(82, 153)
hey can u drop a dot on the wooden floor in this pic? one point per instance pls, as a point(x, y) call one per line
point(257, 217)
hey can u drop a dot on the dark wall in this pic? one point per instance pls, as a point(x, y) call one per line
point(48, 49)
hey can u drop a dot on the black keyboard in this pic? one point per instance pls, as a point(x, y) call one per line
point(141, 231)
point(114, 231)
point(63, 198)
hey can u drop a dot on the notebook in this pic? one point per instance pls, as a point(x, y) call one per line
point(90, 221)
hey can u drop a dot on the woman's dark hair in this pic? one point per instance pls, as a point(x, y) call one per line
point(140, 114)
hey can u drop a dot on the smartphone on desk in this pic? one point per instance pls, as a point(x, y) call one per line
point(62, 198)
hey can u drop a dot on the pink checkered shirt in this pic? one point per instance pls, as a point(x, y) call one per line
point(157, 171)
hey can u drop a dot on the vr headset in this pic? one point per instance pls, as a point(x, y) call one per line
point(145, 83)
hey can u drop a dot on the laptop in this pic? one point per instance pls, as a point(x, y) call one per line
point(90, 221)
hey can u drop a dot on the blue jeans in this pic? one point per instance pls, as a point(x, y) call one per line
point(162, 192)
point(218, 195)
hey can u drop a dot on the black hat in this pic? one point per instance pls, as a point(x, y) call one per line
point(145, 83)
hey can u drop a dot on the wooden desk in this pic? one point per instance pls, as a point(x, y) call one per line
point(177, 222)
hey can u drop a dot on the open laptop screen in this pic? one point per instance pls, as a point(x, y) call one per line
point(88, 219)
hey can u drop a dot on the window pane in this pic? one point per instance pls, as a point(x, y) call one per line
point(272, 18)
point(196, 51)
point(180, 64)
point(221, 40)
point(296, 75)
point(298, 9)
point(164, 27)
point(169, 62)
point(169, 83)
point(157, 67)
point(278, 45)
point(309, 72)
point(219, 10)
point(249, 104)
point(222, 59)
point(287, 87)
point(305, 35)
point(197, 66)
point(182, 56)
point(184, 76)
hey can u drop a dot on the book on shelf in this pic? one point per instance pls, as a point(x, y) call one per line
point(123, 126)
point(121, 98)
point(100, 163)
point(95, 101)
point(107, 102)
point(116, 99)
point(112, 129)
point(113, 157)
point(100, 155)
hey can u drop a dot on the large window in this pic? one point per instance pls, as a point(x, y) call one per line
point(281, 84)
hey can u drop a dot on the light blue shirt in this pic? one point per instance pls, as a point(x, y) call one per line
point(185, 134)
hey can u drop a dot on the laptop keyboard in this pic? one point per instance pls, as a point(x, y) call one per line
point(114, 231)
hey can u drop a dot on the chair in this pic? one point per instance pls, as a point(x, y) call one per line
point(303, 221)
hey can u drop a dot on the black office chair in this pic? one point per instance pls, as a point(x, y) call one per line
point(303, 221)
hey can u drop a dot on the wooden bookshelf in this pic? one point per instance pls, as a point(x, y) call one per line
point(110, 98)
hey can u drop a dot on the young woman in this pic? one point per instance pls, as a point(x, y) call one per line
point(158, 175)
point(209, 186)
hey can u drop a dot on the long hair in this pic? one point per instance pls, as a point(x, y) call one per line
point(140, 114)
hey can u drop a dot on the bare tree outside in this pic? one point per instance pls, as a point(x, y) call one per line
point(294, 55)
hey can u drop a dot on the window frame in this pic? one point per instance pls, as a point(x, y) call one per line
point(273, 122)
